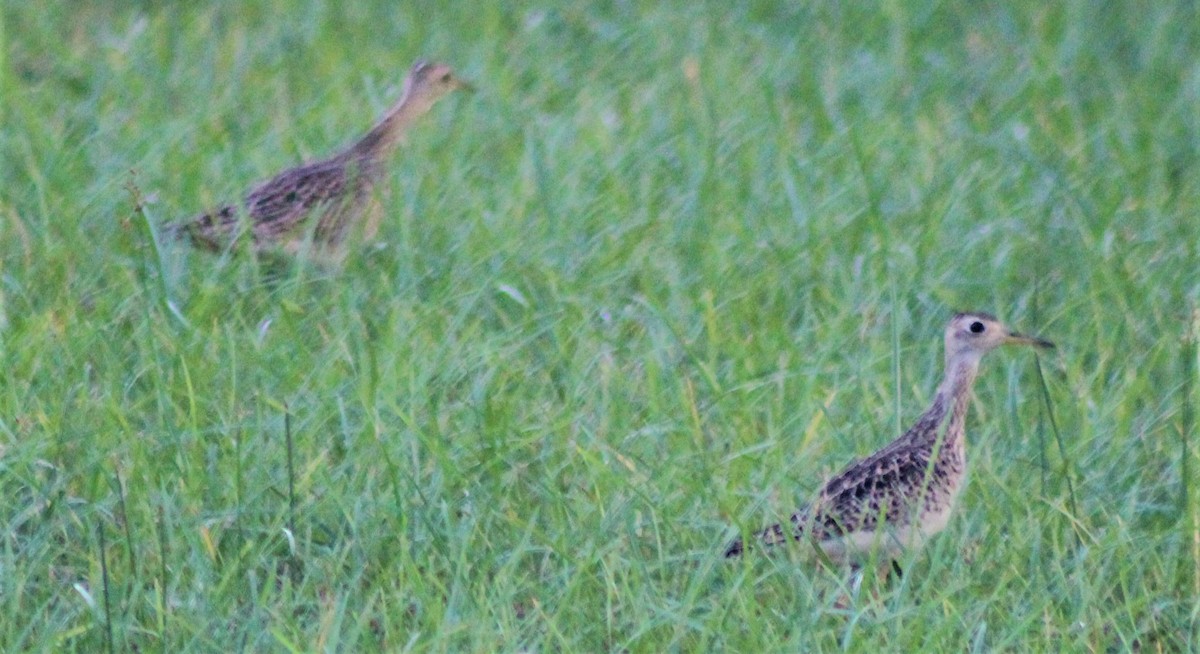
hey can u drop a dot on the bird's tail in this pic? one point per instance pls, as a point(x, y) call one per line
point(209, 231)
point(772, 535)
point(174, 231)
point(735, 549)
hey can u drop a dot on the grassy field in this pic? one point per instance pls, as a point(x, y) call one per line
point(669, 268)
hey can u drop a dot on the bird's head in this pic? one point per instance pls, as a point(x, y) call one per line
point(971, 335)
point(429, 81)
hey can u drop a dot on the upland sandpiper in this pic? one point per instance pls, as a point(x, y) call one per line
point(905, 492)
point(323, 200)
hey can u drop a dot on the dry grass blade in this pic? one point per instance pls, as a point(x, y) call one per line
point(1049, 407)
point(108, 628)
point(1187, 427)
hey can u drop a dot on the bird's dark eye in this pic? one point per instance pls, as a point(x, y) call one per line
point(446, 78)
point(977, 327)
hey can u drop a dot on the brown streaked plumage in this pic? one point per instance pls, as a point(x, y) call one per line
point(905, 491)
point(323, 199)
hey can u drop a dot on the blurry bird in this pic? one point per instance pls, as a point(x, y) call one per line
point(323, 200)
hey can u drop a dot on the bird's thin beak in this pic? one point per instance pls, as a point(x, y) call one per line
point(1021, 339)
point(464, 85)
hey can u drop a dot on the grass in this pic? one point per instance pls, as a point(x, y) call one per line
point(669, 268)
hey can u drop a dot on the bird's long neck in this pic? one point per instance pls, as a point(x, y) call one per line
point(960, 377)
point(947, 414)
point(390, 130)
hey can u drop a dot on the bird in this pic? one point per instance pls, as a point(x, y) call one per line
point(905, 492)
point(323, 200)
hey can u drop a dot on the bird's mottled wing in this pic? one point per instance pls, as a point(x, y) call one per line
point(279, 206)
point(880, 486)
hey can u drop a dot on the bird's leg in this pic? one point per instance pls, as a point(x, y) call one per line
point(885, 571)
